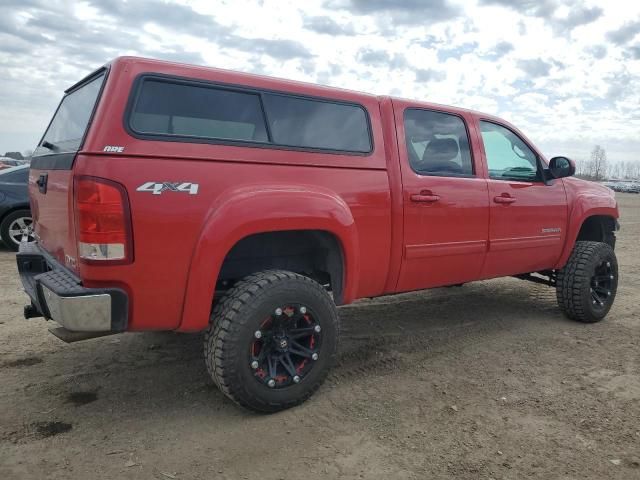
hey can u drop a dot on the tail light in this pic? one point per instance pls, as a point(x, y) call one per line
point(103, 221)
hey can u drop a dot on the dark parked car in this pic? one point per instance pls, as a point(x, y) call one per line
point(16, 224)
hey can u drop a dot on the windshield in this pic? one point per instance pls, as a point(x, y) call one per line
point(70, 121)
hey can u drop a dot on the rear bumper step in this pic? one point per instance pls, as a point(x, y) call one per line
point(57, 294)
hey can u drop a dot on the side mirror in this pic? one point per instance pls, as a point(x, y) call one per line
point(560, 167)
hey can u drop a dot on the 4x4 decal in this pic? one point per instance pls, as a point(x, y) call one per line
point(157, 188)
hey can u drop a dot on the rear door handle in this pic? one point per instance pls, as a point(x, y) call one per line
point(424, 197)
point(504, 198)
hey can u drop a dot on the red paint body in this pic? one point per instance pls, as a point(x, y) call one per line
point(389, 242)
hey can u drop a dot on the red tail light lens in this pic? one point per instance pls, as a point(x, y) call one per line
point(103, 222)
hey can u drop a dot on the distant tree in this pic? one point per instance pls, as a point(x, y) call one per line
point(14, 155)
point(598, 163)
point(584, 169)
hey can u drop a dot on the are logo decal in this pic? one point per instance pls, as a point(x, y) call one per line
point(157, 188)
point(113, 149)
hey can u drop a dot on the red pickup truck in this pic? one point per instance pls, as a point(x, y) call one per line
point(176, 197)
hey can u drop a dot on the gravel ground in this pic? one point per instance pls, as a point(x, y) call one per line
point(484, 381)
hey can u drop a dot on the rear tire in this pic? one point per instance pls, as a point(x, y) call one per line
point(15, 226)
point(271, 340)
point(586, 286)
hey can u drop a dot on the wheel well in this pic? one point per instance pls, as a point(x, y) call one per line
point(313, 253)
point(598, 228)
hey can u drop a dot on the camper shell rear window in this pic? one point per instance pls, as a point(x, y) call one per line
point(69, 124)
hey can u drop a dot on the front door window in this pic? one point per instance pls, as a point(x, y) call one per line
point(508, 157)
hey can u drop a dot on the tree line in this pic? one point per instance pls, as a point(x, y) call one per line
point(597, 167)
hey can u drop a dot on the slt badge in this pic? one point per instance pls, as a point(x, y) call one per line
point(157, 188)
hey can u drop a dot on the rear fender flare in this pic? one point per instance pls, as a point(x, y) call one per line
point(251, 210)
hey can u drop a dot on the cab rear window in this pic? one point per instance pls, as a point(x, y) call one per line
point(177, 110)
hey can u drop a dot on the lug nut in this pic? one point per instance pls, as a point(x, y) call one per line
point(278, 312)
point(271, 383)
point(608, 294)
point(317, 328)
point(314, 356)
point(611, 277)
point(296, 379)
point(254, 364)
point(258, 334)
point(303, 310)
point(608, 264)
point(594, 302)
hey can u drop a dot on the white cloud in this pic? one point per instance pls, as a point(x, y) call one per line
point(567, 73)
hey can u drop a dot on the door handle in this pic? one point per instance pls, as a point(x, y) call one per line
point(424, 197)
point(42, 183)
point(504, 198)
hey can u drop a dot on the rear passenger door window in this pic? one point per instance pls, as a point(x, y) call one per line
point(437, 143)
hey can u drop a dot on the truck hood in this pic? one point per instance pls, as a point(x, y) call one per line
point(585, 187)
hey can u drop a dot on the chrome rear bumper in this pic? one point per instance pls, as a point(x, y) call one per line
point(57, 294)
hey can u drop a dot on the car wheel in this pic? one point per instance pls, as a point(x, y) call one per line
point(271, 341)
point(17, 227)
point(586, 287)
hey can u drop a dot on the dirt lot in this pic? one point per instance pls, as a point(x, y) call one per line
point(484, 381)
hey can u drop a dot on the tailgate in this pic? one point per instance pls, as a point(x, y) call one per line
point(51, 176)
point(52, 211)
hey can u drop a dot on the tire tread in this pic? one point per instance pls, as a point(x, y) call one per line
point(571, 279)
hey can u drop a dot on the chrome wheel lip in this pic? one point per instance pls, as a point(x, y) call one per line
point(21, 230)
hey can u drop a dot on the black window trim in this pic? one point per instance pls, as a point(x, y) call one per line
point(173, 79)
point(64, 160)
point(540, 173)
point(466, 128)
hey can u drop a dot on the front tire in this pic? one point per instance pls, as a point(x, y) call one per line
point(586, 286)
point(271, 340)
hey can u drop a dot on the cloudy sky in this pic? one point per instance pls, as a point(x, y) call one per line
point(566, 72)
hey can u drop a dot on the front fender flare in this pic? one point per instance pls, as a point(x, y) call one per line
point(251, 210)
point(585, 206)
